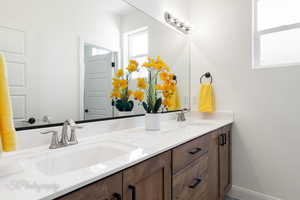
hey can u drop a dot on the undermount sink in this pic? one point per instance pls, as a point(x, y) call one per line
point(68, 160)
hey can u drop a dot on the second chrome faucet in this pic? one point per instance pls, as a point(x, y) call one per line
point(64, 140)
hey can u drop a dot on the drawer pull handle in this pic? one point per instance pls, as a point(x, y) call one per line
point(198, 181)
point(116, 196)
point(223, 139)
point(132, 188)
point(195, 150)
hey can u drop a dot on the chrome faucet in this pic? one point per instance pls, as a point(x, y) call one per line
point(65, 140)
point(181, 115)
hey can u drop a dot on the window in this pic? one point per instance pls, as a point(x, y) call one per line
point(135, 45)
point(276, 37)
point(99, 51)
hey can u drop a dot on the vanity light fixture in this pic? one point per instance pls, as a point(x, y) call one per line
point(176, 23)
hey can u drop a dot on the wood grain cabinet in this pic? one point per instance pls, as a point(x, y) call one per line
point(150, 180)
point(225, 160)
point(219, 163)
point(107, 189)
point(213, 166)
point(197, 170)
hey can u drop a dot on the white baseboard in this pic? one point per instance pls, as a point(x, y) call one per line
point(246, 194)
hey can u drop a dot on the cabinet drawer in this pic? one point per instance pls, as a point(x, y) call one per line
point(192, 182)
point(187, 153)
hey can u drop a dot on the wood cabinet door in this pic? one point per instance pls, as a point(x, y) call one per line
point(107, 189)
point(213, 166)
point(149, 180)
point(225, 161)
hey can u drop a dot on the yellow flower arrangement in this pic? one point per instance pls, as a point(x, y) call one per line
point(116, 94)
point(134, 62)
point(138, 95)
point(130, 93)
point(116, 83)
point(120, 92)
point(163, 76)
point(119, 73)
point(166, 102)
point(157, 64)
point(133, 65)
point(141, 84)
point(123, 84)
point(167, 87)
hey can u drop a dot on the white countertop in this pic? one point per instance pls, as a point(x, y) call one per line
point(28, 182)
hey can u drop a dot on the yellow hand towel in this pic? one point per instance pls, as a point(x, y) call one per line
point(175, 101)
point(206, 99)
point(7, 131)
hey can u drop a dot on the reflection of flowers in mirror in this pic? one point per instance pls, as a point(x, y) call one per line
point(121, 94)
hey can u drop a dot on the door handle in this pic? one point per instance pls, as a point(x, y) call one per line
point(221, 140)
point(194, 185)
point(133, 190)
point(195, 150)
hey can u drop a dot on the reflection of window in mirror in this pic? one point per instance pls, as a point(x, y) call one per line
point(99, 51)
point(136, 47)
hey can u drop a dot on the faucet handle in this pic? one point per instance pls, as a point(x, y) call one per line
point(181, 116)
point(73, 138)
point(54, 141)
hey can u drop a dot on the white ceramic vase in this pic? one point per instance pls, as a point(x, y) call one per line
point(152, 121)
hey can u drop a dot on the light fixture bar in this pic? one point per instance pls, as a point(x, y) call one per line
point(176, 23)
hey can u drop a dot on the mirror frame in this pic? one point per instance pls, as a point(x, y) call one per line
point(81, 41)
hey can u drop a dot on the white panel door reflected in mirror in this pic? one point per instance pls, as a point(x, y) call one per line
point(98, 69)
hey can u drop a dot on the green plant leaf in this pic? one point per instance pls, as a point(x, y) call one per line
point(130, 105)
point(146, 107)
point(119, 105)
point(157, 105)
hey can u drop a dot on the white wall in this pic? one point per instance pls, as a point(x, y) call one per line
point(266, 102)
point(52, 30)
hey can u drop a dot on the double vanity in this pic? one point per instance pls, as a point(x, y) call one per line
point(118, 159)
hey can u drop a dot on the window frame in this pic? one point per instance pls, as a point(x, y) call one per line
point(126, 46)
point(256, 39)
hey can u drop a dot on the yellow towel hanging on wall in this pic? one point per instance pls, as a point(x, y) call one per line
point(175, 101)
point(7, 131)
point(206, 99)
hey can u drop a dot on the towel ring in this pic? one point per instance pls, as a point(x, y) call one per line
point(206, 75)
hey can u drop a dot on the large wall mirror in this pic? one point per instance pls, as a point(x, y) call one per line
point(62, 55)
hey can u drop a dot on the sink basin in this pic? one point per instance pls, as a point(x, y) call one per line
point(68, 160)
